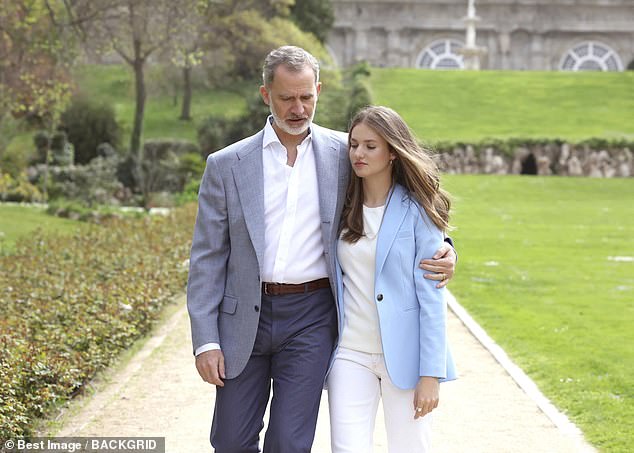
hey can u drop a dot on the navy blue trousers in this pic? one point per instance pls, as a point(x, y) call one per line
point(295, 339)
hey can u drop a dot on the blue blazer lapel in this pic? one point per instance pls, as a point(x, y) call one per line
point(393, 218)
point(248, 174)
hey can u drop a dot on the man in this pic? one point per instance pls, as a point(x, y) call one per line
point(261, 282)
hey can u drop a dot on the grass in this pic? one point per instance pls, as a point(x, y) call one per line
point(115, 84)
point(18, 221)
point(535, 271)
point(439, 105)
point(469, 106)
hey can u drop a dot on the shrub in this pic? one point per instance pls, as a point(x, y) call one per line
point(94, 183)
point(189, 194)
point(70, 304)
point(191, 168)
point(76, 210)
point(88, 124)
point(42, 142)
point(18, 189)
point(216, 132)
point(62, 152)
point(331, 113)
point(359, 94)
point(212, 134)
point(163, 166)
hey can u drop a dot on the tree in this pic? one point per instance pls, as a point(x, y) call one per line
point(187, 45)
point(34, 78)
point(314, 16)
point(135, 30)
point(34, 57)
point(241, 33)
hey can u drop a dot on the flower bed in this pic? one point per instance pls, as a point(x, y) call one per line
point(70, 304)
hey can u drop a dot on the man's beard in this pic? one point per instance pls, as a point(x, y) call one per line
point(289, 129)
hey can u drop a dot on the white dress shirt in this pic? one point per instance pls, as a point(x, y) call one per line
point(294, 251)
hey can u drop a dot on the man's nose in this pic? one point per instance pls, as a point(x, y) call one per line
point(297, 107)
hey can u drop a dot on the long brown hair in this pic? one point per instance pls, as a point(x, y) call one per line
point(413, 168)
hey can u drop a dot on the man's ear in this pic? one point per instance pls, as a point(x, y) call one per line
point(265, 95)
point(318, 88)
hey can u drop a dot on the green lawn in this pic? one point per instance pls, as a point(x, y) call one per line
point(469, 106)
point(535, 271)
point(18, 221)
point(439, 105)
point(115, 84)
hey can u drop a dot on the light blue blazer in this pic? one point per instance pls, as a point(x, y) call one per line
point(412, 311)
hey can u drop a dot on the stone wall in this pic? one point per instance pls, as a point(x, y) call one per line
point(549, 159)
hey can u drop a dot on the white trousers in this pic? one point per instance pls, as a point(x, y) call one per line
point(356, 382)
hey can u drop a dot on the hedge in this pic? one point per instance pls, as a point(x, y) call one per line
point(70, 304)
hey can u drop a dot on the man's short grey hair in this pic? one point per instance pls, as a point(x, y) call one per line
point(294, 58)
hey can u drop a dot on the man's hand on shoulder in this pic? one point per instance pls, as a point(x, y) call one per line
point(442, 264)
point(211, 366)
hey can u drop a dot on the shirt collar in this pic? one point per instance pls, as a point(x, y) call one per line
point(271, 137)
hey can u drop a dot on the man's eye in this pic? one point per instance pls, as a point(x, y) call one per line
point(353, 145)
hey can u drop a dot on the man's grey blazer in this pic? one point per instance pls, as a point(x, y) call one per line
point(224, 286)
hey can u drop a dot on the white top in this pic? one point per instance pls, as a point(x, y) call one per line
point(361, 319)
point(294, 251)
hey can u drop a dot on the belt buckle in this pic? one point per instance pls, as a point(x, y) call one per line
point(266, 289)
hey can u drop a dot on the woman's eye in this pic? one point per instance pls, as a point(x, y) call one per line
point(371, 147)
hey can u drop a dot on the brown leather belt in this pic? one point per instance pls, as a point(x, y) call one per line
point(281, 289)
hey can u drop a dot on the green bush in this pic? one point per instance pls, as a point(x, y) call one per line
point(91, 184)
point(216, 131)
point(189, 194)
point(18, 189)
point(62, 151)
point(212, 134)
point(88, 124)
point(331, 113)
point(167, 165)
point(70, 304)
point(191, 167)
point(357, 85)
point(76, 210)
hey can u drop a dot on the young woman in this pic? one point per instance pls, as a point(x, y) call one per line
point(393, 341)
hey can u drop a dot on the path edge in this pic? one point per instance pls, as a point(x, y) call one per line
point(528, 386)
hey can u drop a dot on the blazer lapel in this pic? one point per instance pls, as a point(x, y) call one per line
point(248, 174)
point(327, 166)
point(393, 218)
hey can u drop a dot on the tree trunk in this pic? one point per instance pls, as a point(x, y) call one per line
point(187, 94)
point(136, 151)
point(137, 130)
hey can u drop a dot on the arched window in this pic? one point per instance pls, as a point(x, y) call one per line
point(591, 56)
point(441, 54)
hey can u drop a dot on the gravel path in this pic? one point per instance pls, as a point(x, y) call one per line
point(159, 393)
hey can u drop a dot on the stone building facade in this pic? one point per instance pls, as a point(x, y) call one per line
point(517, 34)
